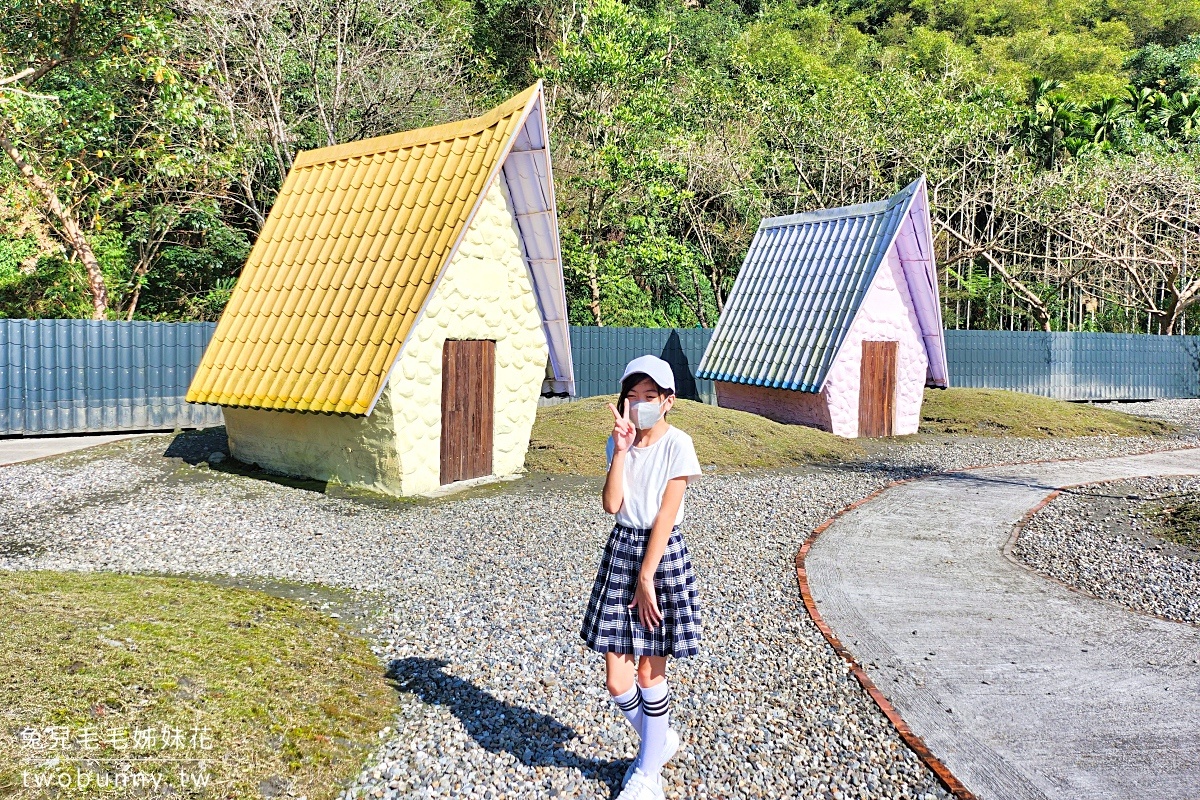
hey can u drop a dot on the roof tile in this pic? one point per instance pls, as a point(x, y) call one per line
point(344, 263)
point(798, 292)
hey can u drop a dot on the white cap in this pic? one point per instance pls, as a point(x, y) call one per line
point(658, 370)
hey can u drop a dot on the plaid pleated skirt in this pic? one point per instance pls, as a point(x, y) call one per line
point(611, 626)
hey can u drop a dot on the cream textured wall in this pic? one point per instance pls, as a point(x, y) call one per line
point(484, 293)
point(782, 405)
point(887, 314)
point(355, 451)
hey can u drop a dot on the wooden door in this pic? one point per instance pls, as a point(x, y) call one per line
point(877, 389)
point(468, 403)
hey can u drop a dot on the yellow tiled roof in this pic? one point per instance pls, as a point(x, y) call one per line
point(344, 263)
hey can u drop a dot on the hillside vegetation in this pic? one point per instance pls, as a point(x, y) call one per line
point(145, 140)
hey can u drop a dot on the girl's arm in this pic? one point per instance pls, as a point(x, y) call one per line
point(644, 598)
point(614, 485)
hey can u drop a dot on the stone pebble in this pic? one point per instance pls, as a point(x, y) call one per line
point(1098, 539)
point(478, 601)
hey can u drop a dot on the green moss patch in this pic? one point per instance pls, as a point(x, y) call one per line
point(570, 438)
point(1177, 519)
point(129, 684)
point(995, 412)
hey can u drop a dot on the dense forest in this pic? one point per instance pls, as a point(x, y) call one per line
point(144, 140)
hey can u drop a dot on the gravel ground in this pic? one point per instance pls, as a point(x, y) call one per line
point(1099, 539)
point(481, 597)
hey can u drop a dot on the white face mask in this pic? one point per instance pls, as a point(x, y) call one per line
point(646, 413)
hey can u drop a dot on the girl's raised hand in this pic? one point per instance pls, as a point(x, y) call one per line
point(623, 431)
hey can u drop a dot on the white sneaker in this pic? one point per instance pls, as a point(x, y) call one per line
point(642, 787)
point(669, 752)
point(633, 765)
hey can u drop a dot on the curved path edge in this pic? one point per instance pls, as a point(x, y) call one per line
point(1010, 780)
point(1009, 551)
point(911, 739)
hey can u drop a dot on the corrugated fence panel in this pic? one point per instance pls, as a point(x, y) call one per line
point(12, 378)
point(1076, 366)
point(80, 376)
point(74, 376)
point(600, 356)
point(1000, 360)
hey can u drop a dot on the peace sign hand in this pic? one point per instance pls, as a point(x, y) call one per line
point(623, 431)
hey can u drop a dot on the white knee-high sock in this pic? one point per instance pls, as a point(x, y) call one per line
point(656, 719)
point(630, 704)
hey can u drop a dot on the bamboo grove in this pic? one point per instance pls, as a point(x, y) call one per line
point(144, 141)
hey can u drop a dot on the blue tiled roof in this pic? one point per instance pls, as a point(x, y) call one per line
point(798, 292)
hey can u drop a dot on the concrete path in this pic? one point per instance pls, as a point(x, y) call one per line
point(1023, 688)
point(19, 449)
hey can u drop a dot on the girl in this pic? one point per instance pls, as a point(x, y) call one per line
point(644, 605)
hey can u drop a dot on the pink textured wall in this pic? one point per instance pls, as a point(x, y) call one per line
point(781, 405)
point(887, 314)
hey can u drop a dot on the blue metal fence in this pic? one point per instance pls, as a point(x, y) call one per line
point(600, 356)
point(74, 376)
point(1076, 366)
point(77, 376)
point(1066, 366)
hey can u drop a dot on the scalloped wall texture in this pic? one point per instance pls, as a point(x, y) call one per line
point(887, 314)
point(484, 293)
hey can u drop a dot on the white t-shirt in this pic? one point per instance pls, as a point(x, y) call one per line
point(647, 470)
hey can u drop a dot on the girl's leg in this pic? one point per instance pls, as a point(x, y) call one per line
point(658, 741)
point(622, 670)
point(651, 670)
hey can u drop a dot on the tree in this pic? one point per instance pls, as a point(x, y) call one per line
point(59, 34)
point(105, 128)
point(296, 74)
point(1059, 142)
point(1106, 114)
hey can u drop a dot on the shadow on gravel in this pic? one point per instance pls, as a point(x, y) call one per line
point(196, 446)
point(200, 446)
point(535, 739)
point(1002, 480)
point(964, 475)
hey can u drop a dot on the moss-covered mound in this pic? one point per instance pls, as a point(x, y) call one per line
point(995, 412)
point(128, 686)
point(1176, 518)
point(570, 438)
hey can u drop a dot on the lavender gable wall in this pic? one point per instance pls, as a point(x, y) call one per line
point(887, 314)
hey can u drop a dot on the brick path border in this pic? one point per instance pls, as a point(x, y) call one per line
point(1028, 516)
point(914, 742)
